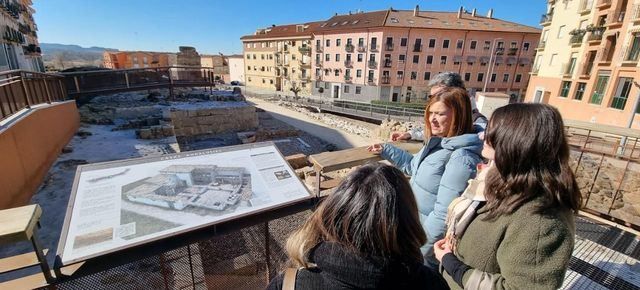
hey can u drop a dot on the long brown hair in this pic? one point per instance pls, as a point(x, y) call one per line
point(372, 213)
point(457, 100)
point(531, 160)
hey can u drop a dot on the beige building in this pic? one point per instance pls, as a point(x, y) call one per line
point(236, 68)
point(219, 63)
point(279, 58)
point(587, 61)
point(20, 48)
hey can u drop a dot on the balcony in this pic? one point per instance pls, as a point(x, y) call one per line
point(615, 19)
point(387, 63)
point(417, 48)
point(348, 79)
point(385, 80)
point(541, 45)
point(304, 77)
point(305, 50)
point(372, 64)
point(373, 47)
point(389, 46)
point(605, 56)
point(535, 70)
point(500, 51)
point(602, 4)
point(512, 51)
point(546, 19)
point(585, 69)
point(567, 69)
point(305, 64)
point(319, 78)
point(348, 63)
point(585, 7)
point(595, 35)
point(348, 47)
point(577, 36)
point(318, 48)
point(635, 13)
point(371, 81)
point(362, 48)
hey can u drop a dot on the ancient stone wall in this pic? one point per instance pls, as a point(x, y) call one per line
point(193, 123)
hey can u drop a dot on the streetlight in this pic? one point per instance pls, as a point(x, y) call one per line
point(490, 67)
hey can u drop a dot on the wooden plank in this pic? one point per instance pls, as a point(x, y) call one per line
point(331, 161)
point(27, 282)
point(17, 224)
point(19, 262)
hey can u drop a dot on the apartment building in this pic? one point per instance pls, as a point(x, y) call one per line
point(278, 58)
point(134, 59)
point(391, 55)
point(587, 63)
point(20, 48)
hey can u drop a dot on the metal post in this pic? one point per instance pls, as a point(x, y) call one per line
point(24, 90)
point(193, 278)
point(44, 266)
point(75, 79)
point(126, 79)
point(267, 250)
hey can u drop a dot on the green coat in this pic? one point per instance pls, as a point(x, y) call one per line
point(523, 250)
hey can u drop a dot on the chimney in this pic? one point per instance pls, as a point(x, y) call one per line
point(460, 12)
point(473, 14)
point(416, 11)
point(490, 13)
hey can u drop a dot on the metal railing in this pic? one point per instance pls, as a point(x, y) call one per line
point(389, 46)
point(22, 89)
point(546, 19)
point(348, 47)
point(105, 81)
point(596, 34)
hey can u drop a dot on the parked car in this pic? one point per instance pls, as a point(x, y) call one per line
point(235, 83)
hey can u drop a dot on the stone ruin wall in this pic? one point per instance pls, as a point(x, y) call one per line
point(194, 123)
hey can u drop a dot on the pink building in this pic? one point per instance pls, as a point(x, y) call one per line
point(391, 55)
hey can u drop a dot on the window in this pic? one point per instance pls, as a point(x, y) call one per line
point(445, 43)
point(400, 74)
point(443, 59)
point(467, 77)
point(564, 89)
point(263, 81)
point(271, 82)
point(349, 41)
point(473, 44)
point(480, 77)
point(427, 76)
point(429, 59)
point(580, 91)
point(572, 64)
point(414, 75)
point(326, 72)
point(526, 46)
point(505, 78)
point(493, 78)
point(358, 90)
point(401, 58)
point(347, 72)
point(327, 43)
point(622, 93)
point(360, 42)
point(370, 75)
point(514, 45)
point(518, 78)
point(337, 57)
point(360, 57)
point(416, 59)
point(248, 67)
point(248, 45)
point(634, 51)
point(327, 57)
point(374, 42)
point(359, 73)
point(460, 44)
point(600, 88)
point(336, 73)
point(248, 56)
point(338, 43)
point(432, 43)
point(346, 88)
point(403, 41)
point(561, 31)
point(487, 45)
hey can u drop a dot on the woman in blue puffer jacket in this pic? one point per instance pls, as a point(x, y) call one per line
point(440, 171)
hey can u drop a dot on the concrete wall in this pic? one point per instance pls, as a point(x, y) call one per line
point(236, 69)
point(30, 144)
point(209, 121)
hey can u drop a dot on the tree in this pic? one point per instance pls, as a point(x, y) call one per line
point(295, 89)
point(60, 58)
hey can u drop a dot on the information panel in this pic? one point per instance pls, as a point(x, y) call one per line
point(120, 204)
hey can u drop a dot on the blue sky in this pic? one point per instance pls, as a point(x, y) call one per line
point(217, 25)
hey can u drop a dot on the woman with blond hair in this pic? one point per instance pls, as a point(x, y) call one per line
point(365, 235)
point(520, 233)
point(448, 159)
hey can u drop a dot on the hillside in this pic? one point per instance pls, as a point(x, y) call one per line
point(63, 56)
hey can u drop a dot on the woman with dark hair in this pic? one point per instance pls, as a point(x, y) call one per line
point(440, 171)
point(365, 235)
point(522, 236)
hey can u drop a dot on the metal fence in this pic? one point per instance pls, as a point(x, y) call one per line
point(107, 81)
point(22, 89)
